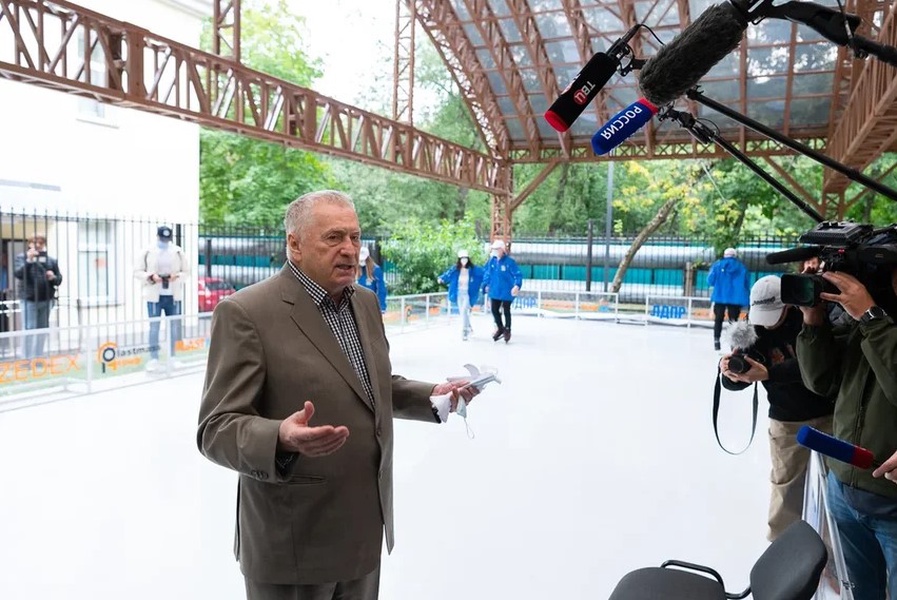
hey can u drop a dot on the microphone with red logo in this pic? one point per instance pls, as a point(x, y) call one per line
point(588, 82)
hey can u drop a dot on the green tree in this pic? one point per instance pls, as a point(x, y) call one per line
point(422, 250)
point(247, 180)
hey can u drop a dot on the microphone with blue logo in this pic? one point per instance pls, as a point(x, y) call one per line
point(622, 125)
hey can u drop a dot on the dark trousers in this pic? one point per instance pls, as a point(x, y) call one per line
point(364, 588)
point(719, 310)
point(497, 307)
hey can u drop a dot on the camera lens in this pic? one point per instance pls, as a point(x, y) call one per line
point(737, 364)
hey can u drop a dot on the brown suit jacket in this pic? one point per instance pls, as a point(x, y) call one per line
point(271, 350)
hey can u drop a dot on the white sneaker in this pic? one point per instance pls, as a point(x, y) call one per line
point(175, 364)
point(152, 365)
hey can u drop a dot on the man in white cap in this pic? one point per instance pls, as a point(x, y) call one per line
point(773, 361)
point(730, 281)
point(501, 282)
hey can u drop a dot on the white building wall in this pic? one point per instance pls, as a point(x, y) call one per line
point(64, 154)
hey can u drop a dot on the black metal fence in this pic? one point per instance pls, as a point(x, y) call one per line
point(98, 260)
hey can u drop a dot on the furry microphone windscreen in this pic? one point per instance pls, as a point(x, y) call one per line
point(741, 335)
point(679, 65)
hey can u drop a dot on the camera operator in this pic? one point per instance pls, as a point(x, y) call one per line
point(40, 277)
point(163, 268)
point(858, 363)
point(773, 362)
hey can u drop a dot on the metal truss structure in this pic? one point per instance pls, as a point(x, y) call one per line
point(62, 46)
point(510, 59)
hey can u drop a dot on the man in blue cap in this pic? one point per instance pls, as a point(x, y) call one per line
point(162, 268)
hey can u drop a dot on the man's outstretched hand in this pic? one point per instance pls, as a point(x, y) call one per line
point(296, 435)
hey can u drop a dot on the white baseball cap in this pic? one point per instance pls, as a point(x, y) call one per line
point(766, 301)
point(498, 245)
point(463, 254)
point(729, 252)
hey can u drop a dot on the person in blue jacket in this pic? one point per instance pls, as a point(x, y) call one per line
point(731, 290)
point(464, 280)
point(501, 282)
point(370, 275)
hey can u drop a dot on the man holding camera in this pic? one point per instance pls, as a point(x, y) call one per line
point(858, 363)
point(40, 277)
point(162, 269)
point(771, 359)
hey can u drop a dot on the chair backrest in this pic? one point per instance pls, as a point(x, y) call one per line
point(790, 567)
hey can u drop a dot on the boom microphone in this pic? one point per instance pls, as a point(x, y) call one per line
point(622, 125)
point(588, 82)
point(835, 448)
point(679, 65)
point(793, 255)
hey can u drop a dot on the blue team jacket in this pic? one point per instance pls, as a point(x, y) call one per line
point(731, 282)
point(475, 281)
point(501, 276)
point(378, 286)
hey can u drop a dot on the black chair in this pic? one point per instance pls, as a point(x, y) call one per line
point(789, 569)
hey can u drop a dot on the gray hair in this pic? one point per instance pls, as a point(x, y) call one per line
point(299, 211)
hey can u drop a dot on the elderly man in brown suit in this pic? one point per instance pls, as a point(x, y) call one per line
point(299, 399)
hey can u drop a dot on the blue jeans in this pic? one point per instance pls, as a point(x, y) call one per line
point(464, 309)
point(170, 307)
point(869, 544)
point(37, 316)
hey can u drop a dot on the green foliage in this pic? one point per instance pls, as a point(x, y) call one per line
point(422, 250)
point(244, 180)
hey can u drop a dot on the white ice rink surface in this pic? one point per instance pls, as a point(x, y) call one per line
point(595, 456)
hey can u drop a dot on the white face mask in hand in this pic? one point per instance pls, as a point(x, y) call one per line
point(443, 404)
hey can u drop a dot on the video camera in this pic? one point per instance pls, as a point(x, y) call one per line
point(858, 249)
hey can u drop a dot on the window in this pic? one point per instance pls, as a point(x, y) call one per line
point(88, 107)
point(98, 277)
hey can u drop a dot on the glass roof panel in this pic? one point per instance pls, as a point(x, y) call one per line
point(725, 124)
point(461, 10)
point(817, 83)
point(541, 5)
point(770, 31)
point(521, 56)
point(515, 130)
point(603, 22)
point(473, 35)
point(497, 83)
point(553, 25)
point(485, 58)
point(766, 87)
point(531, 82)
point(500, 8)
point(726, 68)
point(770, 113)
point(506, 106)
point(767, 61)
point(661, 13)
point(564, 52)
point(810, 111)
point(509, 30)
point(723, 90)
point(815, 57)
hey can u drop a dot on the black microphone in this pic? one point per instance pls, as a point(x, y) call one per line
point(588, 82)
point(679, 65)
point(793, 255)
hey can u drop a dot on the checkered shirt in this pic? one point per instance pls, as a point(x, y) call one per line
point(342, 323)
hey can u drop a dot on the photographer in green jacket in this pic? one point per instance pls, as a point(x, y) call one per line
point(857, 362)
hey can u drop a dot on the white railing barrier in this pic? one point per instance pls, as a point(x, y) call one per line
point(834, 583)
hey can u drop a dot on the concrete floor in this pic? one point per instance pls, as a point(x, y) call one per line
point(595, 456)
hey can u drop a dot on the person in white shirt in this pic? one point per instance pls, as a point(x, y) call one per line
point(163, 269)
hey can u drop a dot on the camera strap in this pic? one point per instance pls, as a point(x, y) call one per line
point(717, 390)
